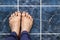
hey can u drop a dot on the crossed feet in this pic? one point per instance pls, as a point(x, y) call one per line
point(23, 21)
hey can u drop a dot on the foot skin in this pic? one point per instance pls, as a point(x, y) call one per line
point(27, 22)
point(14, 22)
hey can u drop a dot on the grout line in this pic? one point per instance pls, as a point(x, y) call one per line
point(29, 5)
point(8, 5)
point(50, 5)
point(19, 5)
point(50, 34)
point(40, 19)
point(4, 33)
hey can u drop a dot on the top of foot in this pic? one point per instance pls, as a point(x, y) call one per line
point(27, 22)
point(14, 22)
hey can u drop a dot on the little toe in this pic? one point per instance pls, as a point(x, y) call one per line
point(30, 17)
point(10, 18)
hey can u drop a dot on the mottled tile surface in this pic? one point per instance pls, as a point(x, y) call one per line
point(51, 20)
point(29, 2)
point(50, 37)
point(8, 2)
point(34, 12)
point(2, 37)
point(5, 12)
point(51, 2)
point(35, 37)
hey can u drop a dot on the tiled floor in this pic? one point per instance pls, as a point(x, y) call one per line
point(51, 2)
point(51, 16)
point(29, 2)
point(7, 7)
point(8, 2)
point(51, 37)
point(50, 19)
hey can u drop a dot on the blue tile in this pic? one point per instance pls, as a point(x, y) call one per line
point(5, 12)
point(8, 2)
point(34, 12)
point(51, 20)
point(50, 37)
point(51, 2)
point(35, 37)
point(2, 37)
point(36, 26)
point(29, 2)
point(48, 11)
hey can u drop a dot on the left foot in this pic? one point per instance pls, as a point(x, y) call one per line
point(14, 22)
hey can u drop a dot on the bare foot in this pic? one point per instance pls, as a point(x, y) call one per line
point(27, 22)
point(14, 22)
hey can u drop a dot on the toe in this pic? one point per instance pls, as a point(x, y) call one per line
point(30, 17)
point(12, 15)
point(16, 13)
point(9, 18)
point(23, 14)
point(27, 14)
point(19, 13)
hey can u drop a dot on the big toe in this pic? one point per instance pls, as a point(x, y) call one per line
point(19, 14)
point(23, 14)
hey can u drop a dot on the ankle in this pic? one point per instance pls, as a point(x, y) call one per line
point(24, 31)
point(16, 32)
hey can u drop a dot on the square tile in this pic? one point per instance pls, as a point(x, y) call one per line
point(51, 2)
point(29, 2)
point(2, 37)
point(35, 37)
point(35, 13)
point(51, 20)
point(5, 12)
point(51, 37)
point(8, 2)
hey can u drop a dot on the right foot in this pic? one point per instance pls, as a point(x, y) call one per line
point(14, 22)
point(27, 22)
